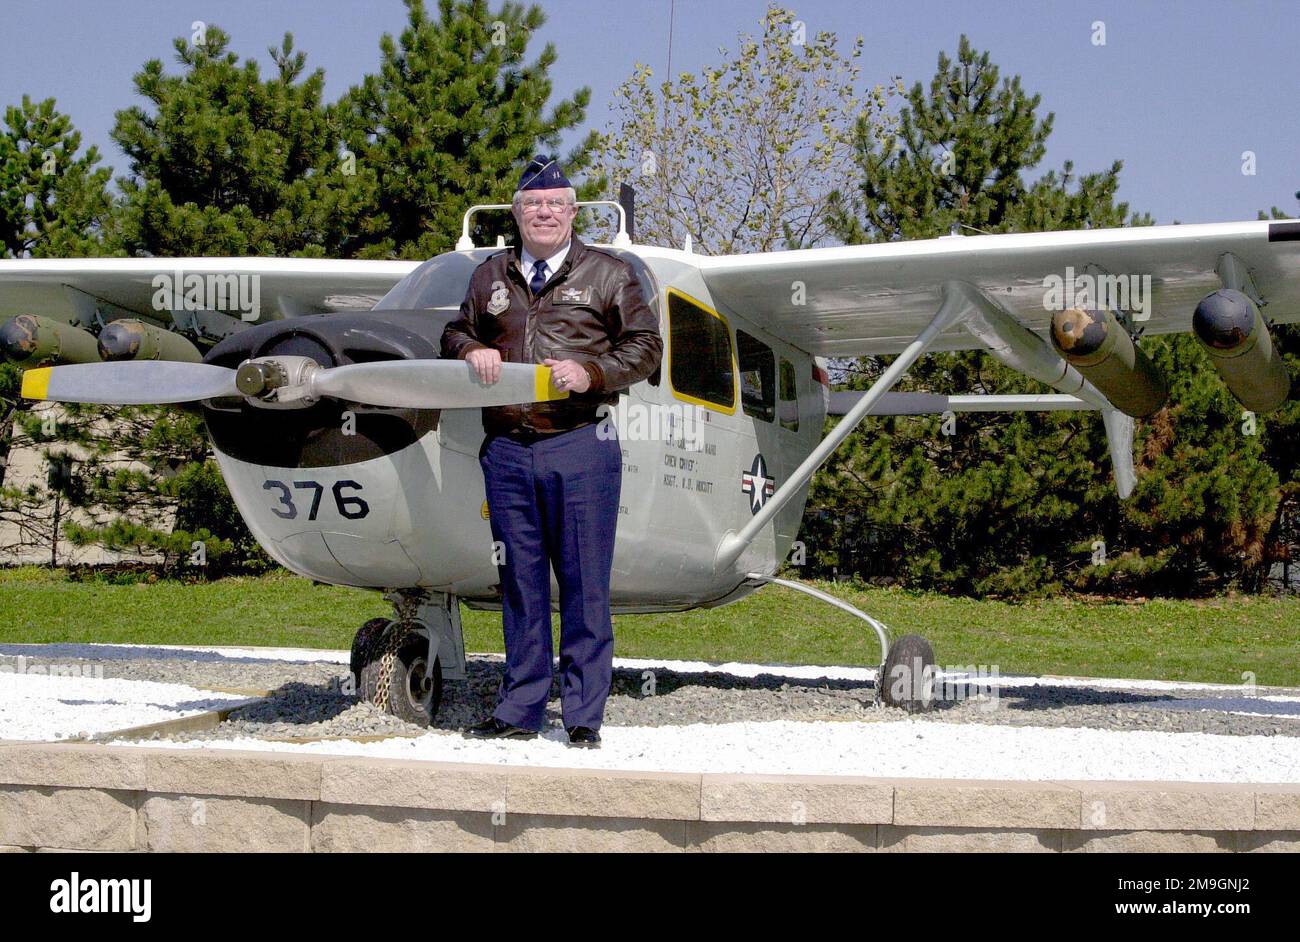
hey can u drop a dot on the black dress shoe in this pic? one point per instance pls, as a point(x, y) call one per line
point(584, 736)
point(493, 728)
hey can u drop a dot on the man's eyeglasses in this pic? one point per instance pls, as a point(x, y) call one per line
point(555, 205)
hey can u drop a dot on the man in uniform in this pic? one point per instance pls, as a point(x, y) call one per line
point(552, 482)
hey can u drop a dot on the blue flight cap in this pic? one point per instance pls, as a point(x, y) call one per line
point(543, 173)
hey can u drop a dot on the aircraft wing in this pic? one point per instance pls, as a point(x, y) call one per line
point(73, 289)
point(875, 299)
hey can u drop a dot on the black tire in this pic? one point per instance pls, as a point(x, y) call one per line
point(364, 640)
point(398, 680)
point(908, 681)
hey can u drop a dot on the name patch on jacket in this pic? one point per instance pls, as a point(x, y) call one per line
point(572, 296)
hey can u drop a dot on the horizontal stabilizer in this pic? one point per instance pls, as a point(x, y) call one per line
point(1119, 427)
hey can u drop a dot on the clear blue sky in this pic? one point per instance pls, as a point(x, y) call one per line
point(1178, 92)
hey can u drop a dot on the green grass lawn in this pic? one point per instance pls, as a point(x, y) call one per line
point(1215, 640)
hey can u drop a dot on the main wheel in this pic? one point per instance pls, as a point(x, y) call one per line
point(399, 679)
point(907, 680)
point(364, 640)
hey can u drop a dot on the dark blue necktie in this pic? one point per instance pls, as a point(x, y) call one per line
point(538, 281)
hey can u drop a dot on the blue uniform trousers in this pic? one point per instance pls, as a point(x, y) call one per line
point(554, 502)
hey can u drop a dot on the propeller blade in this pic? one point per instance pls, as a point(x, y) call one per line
point(148, 382)
point(434, 384)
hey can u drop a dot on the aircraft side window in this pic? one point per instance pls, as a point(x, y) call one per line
point(757, 377)
point(789, 397)
point(700, 353)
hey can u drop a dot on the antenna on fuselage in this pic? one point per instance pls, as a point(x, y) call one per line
point(627, 199)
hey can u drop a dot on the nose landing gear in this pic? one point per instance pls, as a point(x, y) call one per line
point(397, 663)
point(397, 677)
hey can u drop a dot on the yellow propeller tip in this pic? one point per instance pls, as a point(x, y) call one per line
point(36, 383)
point(545, 389)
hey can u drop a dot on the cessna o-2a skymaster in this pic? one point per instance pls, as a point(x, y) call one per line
point(351, 450)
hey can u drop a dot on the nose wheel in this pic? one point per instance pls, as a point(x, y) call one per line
point(365, 639)
point(391, 663)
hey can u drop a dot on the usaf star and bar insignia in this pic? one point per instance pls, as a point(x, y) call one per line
point(757, 484)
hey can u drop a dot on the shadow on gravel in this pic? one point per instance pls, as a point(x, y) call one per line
point(1049, 697)
point(297, 703)
point(632, 681)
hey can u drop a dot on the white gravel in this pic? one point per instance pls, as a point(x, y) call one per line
point(39, 707)
point(35, 706)
point(907, 749)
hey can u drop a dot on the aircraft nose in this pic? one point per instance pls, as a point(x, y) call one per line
point(330, 433)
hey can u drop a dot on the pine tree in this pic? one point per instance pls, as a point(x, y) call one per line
point(1016, 503)
point(229, 163)
point(144, 484)
point(224, 163)
point(958, 159)
point(453, 115)
point(53, 203)
point(53, 200)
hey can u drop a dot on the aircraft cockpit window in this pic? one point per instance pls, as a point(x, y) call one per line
point(699, 354)
point(789, 397)
point(757, 377)
point(438, 284)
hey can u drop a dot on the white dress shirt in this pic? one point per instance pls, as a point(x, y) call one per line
point(552, 264)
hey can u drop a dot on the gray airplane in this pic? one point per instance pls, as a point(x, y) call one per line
point(352, 451)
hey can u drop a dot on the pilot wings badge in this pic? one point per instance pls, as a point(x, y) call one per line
point(500, 298)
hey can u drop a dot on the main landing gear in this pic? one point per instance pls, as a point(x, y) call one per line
point(906, 678)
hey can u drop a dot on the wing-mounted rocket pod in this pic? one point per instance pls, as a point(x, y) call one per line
point(1096, 344)
point(129, 339)
point(1232, 330)
point(31, 340)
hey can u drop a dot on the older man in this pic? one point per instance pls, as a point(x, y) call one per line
point(552, 483)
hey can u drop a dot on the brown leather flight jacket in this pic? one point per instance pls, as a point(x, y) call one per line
point(592, 311)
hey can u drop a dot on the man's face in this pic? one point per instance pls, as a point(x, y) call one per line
point(544, 228)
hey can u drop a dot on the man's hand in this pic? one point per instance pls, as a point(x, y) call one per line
point(486, 363)
point(568, 375)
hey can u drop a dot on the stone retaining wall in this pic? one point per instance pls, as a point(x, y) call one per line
point(124, 798)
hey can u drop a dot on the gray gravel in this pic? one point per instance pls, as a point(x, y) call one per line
point(309, 700)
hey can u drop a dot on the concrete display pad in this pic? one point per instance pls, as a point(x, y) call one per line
point(73, 796)
point(1062, 764)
